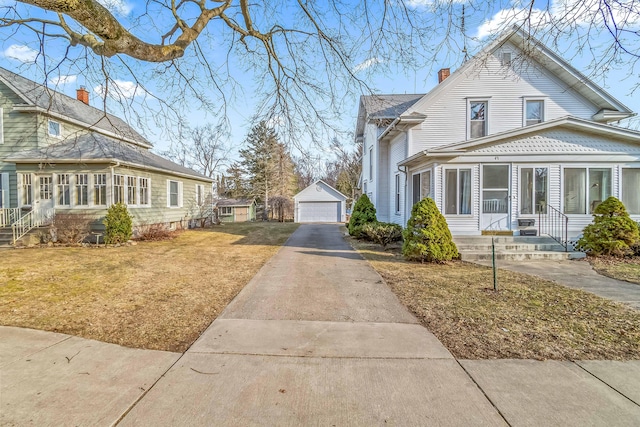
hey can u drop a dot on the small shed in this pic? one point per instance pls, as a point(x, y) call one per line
point(320, 202)
point(236, 210)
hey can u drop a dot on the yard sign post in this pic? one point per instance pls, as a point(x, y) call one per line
point(493, 262)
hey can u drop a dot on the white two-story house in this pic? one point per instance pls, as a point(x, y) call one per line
point(508, 136)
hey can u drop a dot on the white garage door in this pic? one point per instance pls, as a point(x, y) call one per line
point(319, 212)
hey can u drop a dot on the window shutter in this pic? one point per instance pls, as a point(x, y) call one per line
point(168, 193)
point(4, 181)
point(149, 193)
point(180, 193)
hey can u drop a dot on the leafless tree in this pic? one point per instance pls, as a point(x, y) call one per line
point(203, 149)
point(343, 171)
point(308, 58)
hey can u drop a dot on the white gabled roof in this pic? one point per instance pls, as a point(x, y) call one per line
point(327, 187)
point(610, 108)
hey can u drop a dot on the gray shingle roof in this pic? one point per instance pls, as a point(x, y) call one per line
point(235, 202)
point(40, 96)
point(388, 106)
point(95, 147)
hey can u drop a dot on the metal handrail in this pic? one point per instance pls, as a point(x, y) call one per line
point(554, 224)
point(8, 216)
point(30, 220)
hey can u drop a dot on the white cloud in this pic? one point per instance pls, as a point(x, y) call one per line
point(119, 7)
point(366, 64)
point(509, 17)
point(21, 53)
point(62, 80)
point(119, 89)
point(561, 12)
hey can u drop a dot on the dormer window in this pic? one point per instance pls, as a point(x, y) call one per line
point(55, 129)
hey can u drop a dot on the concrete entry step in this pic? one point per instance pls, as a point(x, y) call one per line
point(512, 248)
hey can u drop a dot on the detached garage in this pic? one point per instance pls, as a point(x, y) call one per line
point(320, 202)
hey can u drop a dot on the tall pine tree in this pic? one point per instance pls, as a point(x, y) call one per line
point(268, 165)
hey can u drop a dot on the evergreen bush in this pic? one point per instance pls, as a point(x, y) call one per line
point(382, 233)
point(612, 232)
point(427, 236)
point(363, 213)
point(118, 224)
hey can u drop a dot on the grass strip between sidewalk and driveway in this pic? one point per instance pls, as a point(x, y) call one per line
point(527, 318)
point(154, 295)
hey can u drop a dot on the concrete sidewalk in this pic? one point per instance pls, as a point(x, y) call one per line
point(577, 274)
point(316, 338)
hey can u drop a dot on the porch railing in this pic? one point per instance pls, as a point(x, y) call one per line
point(32, 219)
point(554, 224)
point(8, 216)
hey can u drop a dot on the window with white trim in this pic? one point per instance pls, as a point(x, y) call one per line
point(397, 193)
point(631, 190)
point(478, 119)
point(45, 187)
point(174, 194)
point(63, 189)
point(100, 189)
point(534, 111)
point(585, 189)
point(226, 210)
point(26, 189)
point(4, 190)
point(55, 129)
point(457, 191)
point(132, 188)
point(534, 185)
point(118, 189)
point(82, 189)
point(370, 163)
point(421, 186)
point(506, 58)
point(144, 191)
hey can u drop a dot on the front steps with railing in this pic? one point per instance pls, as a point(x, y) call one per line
point(512, 248)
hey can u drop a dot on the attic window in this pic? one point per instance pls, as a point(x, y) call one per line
point(55, 129)
point(506, 58)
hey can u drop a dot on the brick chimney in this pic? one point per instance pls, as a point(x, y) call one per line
point(443, 74)
point(82, 94)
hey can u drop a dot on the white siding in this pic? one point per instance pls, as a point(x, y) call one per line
point(397, 153)
point(446, 121)
point(383, 184)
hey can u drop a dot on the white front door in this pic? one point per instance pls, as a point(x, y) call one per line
point(495, 197)
point(43, 199)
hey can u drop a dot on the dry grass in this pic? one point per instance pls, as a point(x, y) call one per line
point(155, 295)
point(528, 318)
point(627, 269)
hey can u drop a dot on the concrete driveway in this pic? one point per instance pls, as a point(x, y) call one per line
point(316, 338)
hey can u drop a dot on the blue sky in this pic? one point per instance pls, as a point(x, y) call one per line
point(239, 99)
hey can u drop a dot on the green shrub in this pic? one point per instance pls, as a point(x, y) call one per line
point(382, 233)
point(612, 231)
point(363, 213)
point(118, 224)
point(427, 236)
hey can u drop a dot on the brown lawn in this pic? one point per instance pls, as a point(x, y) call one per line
point(154, 295)
point(528, 318)
point(627, 269)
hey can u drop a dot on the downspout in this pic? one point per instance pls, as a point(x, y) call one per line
point(112, 167)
